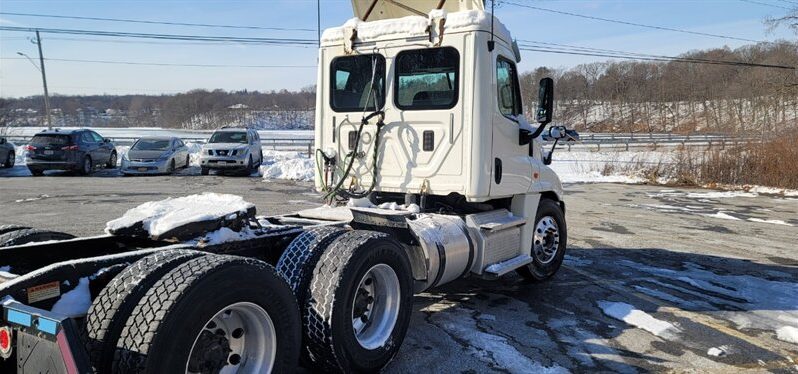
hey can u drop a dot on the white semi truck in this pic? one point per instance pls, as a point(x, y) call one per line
point(432, 174)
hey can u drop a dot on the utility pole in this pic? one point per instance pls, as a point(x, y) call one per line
point(44, 82)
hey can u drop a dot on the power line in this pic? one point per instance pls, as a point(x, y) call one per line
point(165, 63)
point(232, 39)
point(630, 56)
point(154, 22)
point(152, 42)
point(536, 46)
point(632, 23)
point(765, 4)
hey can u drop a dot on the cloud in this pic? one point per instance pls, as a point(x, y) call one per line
point(4, 21)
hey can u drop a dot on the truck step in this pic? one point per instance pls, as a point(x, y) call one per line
point(500, 268)
point(502, 223)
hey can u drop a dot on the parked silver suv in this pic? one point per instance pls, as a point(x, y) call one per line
point(232, 148)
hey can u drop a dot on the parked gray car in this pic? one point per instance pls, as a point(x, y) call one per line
point(7, 155)
point(155, 155)
point(232, 148)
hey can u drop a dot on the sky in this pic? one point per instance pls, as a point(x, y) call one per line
point(18, 77)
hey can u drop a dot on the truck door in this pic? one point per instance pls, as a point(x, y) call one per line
point(511, 165)
point(423, 136)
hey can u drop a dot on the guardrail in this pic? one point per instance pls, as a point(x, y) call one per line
point(587, 140)
point(278, 144)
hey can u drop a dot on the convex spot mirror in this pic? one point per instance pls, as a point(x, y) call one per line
point(557, 132)
point(545, 101)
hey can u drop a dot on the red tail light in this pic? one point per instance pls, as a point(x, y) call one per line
point(70, 148)
point(5, 340)
point(29, 148)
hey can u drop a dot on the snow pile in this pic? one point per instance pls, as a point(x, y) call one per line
point(75, 302)
point(414, 26)
point(287, 165)
point(637, 318)
point(5, 272)
point(717, 351)
point(722, 215)
point(159, 217)
point(225, 235)
point(605, 167)
point(413, 208)
point(493, 349)
point(788, 334)
point(771, 221)
point(751, 302)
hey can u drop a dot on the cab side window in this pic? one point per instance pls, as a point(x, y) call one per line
point(86, 138)
point(96, 136)
point(509, 92)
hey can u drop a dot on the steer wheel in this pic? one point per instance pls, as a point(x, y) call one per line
point(210, 353)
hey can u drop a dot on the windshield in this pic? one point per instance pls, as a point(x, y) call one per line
point(45, 140)
point(151, 145)
point(229, 137)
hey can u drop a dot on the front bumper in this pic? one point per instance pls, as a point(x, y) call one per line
point(226, 163)
point(144, 168)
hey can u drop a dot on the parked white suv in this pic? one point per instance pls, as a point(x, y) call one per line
point(232, 148)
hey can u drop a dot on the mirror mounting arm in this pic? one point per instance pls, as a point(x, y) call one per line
point(547, 158)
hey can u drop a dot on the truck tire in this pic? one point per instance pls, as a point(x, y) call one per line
point(204, 171)
point(195, 316)
point(24, 236)
point(364, 275)
point(297, 262)
point(548, 244)
point(110, 310)
point(9, 228)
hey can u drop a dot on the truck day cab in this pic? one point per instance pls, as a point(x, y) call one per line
point(419, 126)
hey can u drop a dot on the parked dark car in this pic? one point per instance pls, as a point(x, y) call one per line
point(7, 156)
point(77, 150)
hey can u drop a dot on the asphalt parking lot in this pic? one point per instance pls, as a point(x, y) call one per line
point(655, 279)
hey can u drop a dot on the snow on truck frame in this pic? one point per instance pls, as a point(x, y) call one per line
point(419, 128)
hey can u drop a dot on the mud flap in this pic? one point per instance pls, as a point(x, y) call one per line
point(45, 341)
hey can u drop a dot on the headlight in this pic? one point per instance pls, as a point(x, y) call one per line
point(164, 156)
point(124, 157)
point(240, 152)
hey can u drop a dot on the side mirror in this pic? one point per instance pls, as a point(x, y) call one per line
point(106, 140)
point(557, 132)
point(3, 140)
point(545, 101)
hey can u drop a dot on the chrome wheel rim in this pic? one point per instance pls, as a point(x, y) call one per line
point(240, 338)
point(113, 160)
point(546, 241)
point(375, 306)
point(87, 166)
point(12, 158)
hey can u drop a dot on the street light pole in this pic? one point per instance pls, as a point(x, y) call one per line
point(44, 82)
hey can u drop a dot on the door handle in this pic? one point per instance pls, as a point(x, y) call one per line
point(451, 128)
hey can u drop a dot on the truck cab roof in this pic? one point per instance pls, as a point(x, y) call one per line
point(416, 26)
